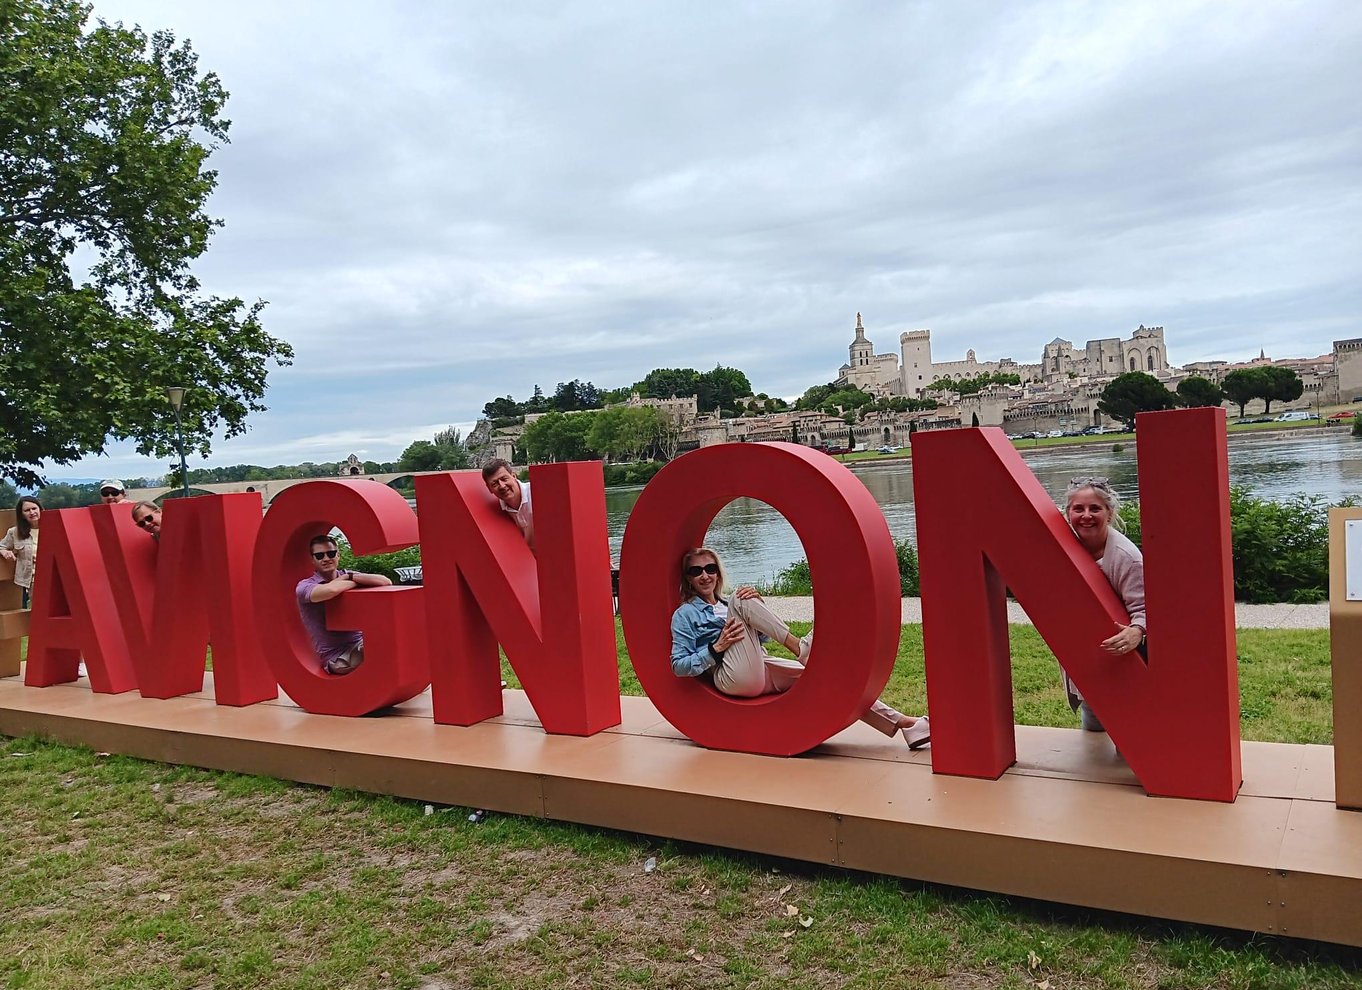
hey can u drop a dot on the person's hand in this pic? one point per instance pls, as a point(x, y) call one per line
point(747, 591)
point(7, 554)
point(1124, 641)
point(731, 633)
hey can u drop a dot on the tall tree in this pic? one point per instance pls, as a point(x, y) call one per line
point(1134, 392)
point(104, 139)
point(664, 383)
point(721, 388)
point(1242, 386)
point(1280, 383)
point(420, 455)
point(1197, 391)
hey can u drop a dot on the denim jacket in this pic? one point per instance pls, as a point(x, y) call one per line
point(694, 627)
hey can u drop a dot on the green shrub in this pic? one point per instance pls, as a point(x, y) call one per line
point(380, 563)
point(795, 579)
point(1357, 425)
point(637, 473)
point(1280, 549)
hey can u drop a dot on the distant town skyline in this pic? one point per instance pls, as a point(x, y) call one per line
point(443, 205)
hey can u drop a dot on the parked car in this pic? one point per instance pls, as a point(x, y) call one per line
point(1055, 433)
point(1295, 416)
point(886, 449)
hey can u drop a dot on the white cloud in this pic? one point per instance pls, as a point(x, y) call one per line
point(448, 203)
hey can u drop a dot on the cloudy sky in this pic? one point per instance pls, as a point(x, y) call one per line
point(447, 202)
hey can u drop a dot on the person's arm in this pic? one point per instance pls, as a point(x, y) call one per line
point(690, 657)
point(368, 580)
point(7, 544)
point(329, 590)
point(1127, 580)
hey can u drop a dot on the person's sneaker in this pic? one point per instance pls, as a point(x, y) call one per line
point(918, 734)
point(805, 645)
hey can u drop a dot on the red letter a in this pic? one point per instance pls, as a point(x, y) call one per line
point(73, 610)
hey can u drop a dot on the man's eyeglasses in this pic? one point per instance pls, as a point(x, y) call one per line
point(144, 522)
point(324, 554)
point(696, 570)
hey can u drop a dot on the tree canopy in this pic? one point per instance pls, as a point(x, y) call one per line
point(1197, 391)
point(1242, 386)
point(1134, 392)
point(104, 139)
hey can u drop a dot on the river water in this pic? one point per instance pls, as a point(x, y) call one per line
point(756, 541)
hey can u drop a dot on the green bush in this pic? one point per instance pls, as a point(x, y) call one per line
point(1357, 425)
point(1280, 549)
point(380, 563)
point(795, 579)
point(637, 473)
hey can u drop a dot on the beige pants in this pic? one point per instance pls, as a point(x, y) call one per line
point(747, 672)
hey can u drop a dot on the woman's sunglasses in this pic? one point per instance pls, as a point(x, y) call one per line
point(696, 570)
point(325, 554)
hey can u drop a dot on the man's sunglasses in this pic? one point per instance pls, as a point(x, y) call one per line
point(695, 570)
point(144, 522)
point(324, 554)
point(108, 492)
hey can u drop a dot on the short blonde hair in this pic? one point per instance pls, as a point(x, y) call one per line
point(687, 592)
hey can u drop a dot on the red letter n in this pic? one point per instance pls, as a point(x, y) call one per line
point(552, 614)
point(985, 523)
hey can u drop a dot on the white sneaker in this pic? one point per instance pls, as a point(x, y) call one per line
point(80, 670)
point(805, 645)
point(918, 734)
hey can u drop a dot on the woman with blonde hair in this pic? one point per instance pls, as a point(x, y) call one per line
point(20, 543)
point(722, 638)
point(1092, 508)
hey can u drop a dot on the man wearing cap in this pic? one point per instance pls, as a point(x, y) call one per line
point(111, 490)
point(513, 494)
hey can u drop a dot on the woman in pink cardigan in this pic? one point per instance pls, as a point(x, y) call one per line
point(1092, 508)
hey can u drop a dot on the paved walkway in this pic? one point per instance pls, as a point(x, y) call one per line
point(1280, 616)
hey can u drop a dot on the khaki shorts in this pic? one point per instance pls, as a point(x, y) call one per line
point(347, 661)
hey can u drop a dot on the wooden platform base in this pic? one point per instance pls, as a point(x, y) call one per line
point(1068, 823)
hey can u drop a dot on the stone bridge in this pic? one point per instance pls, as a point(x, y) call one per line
point(267, 489)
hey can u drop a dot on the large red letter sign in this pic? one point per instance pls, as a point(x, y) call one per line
point(192, 587)
point(74, 613)
point(856, 593)
point(376, 520)
point(983, 520)
point(552, 614)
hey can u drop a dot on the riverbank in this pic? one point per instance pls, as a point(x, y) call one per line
point(1280, 615)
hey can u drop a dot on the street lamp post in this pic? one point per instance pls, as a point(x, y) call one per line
point(176, 396)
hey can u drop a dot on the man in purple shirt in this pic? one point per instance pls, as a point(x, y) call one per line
point(340, 651)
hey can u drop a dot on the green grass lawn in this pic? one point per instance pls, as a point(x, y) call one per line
point(119, 873)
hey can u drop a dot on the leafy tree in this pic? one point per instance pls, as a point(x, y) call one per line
point(1242, 386)
point(62, 496)
point(8, 495)
point(420, 455)
point(558, 437)
point(454, 455)
point(104, 139)
point(664, 383)
point(969, 386)
point(501, 408)
point(721, 388)
point(574, 395)
point(624, 433)
point(1280, 383)
point(814, 395)
point(1134, 392)
point(1196, 391)
point(536, 402)
point(847, 399)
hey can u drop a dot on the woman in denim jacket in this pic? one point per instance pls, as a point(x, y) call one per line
point(723, 637)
